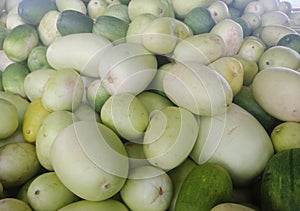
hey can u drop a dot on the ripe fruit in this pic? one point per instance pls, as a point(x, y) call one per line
point(9, 119)
point(286, 136)
point(147, 188)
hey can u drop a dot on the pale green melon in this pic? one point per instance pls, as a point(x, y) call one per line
point(170, 137)
point(197, 88)
point(276, 90)
point(90, 160)
point(236, 141)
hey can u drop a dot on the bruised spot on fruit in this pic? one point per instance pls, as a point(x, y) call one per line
point(37, 192)
point(157, 165)
point(110, 79)
point(277, 130)
point(129, 145)
point(234, 71)
point(232, 130)
point(215, 40)
point(161, 11)
point(106, 186)
point(161, 191)
point(28, 131)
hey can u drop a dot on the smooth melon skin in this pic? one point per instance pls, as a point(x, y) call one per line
point(47, 29)
point(279, 56)
point(20, 103)
point(147, 188)
point(13, 78)
point(32, 11)
point(112, 28)
point(47, 192)
point(271, 34)
point(20, 41)
point(232, 33)
point(84, 56)
point(286, 136)
point(10, 122)
point(231, 206)
point(7, 204)
point(168, 145)
point(203, 48)
point(73, 22)
point(236, 141)
point(198, 27)
point(127, 68)
point(35, 82)
point(280, 187)
point(162, 34)
point(290, 40)
point(276, 90)
point(205, 186)
point(18, 163)
point(126, 115)
point(76, 5)
point(109, 204)
point(178, 176)
point(246, 100)
point(197, 88)
point(80, 155)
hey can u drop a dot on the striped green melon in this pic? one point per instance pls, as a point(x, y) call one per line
point(280, 187)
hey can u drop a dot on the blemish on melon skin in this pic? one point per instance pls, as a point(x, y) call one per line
point(232, 130)
point(216, 40)
point(129, 145)
point(161, 191)
point(161, 11)
point(106, 186)
point(110, 79)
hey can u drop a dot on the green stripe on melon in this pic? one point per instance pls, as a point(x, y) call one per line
point(280, 187)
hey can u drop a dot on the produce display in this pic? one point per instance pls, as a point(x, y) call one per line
point(149, 105)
